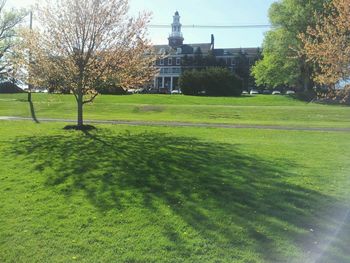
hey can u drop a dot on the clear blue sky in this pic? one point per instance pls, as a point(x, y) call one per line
point(202, 12)
point(209, 12)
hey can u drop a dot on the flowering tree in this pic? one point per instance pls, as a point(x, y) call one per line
point(81, 43)
point(327, 44)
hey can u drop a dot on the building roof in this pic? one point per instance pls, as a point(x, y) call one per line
point(236, 51)
point(188, 49)
point(185, 49)
point(177, 48)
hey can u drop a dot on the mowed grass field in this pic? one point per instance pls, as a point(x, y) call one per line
point(173, 194)
point(258, 110)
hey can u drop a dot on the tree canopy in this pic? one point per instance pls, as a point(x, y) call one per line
point(327, 43)
point(9, 22)
point(281, 64)
point(81, 43)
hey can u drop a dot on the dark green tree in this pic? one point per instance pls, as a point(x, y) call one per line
point(212, 81)
point(242, 68)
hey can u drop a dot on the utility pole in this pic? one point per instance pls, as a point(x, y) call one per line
point(30, 86)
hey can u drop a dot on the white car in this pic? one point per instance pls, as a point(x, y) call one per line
point(276, 92)
point(290, 92)
point(253, 92)
point(176, 91)
point(244, 92)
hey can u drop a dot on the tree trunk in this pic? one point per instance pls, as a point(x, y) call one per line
point(306, 73)
point(30, 88)
point(29, 96)
point(306, 84)
point(80, 110)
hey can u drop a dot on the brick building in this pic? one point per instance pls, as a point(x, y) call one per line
point(173, 54)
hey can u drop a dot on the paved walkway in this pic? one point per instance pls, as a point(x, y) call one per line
point(182, 124)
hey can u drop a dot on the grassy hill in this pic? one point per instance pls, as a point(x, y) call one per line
point(259, 110)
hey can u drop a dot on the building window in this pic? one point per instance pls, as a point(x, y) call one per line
point(170, 61)
point(178, 61)
point(162, 62)
point(233, 62)
point(176, 70)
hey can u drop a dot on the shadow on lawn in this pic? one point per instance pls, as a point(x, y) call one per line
point(213, 187)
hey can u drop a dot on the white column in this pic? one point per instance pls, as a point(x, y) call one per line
point(163, 79)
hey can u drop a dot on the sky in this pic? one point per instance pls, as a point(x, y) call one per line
point(201, 12)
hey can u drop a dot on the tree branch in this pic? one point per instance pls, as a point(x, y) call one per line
point(90, 99)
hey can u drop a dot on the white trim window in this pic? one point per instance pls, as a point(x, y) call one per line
point(161, 62)
point(178, 61)
point(170, 61)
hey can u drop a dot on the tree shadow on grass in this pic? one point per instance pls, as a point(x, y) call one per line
point(213, 187)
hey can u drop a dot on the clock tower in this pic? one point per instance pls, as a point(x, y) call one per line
point(176, 38)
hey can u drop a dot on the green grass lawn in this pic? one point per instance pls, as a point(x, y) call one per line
point(258, 110)
point(157, 194)
point(165, 194)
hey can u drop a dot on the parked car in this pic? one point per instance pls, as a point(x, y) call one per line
point(176, 91)
point(153, 91)
point(254, 92)
point(276, 92)
point(266, 92)
point(290, 92)
point(140, 90)
point(244, 92)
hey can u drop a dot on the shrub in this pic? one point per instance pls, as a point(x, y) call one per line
point(112, 90)
point(109, 87)
point(190, 82)
point(211, 82)
point(308, 95)
point(341, 96)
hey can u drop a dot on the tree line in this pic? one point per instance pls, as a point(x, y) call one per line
point(308, 46)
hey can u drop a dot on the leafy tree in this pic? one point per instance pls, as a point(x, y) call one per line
point(242, 68)
point(9, 21)
point(109, 86)
point(327, 44)
point(81, 43)
point(198, 60)
point(281, 63)
point(186, 61)
point(190, 82)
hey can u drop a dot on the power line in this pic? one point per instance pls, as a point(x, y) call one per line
point(214, 26)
